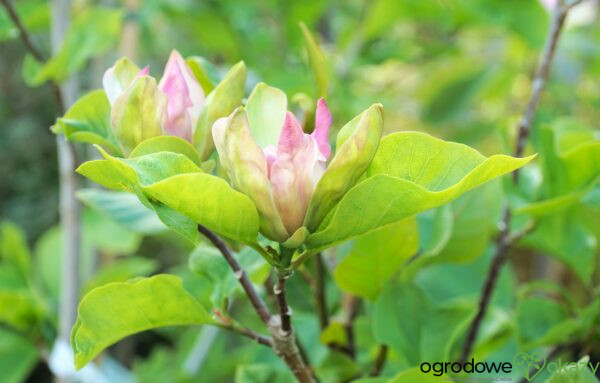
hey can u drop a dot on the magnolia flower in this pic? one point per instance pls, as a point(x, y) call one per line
point(141, 108)
point(290, 183)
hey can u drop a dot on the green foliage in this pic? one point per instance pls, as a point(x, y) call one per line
point(88, 120)
point(426, 331)
point(114, 311)
point(420, 171)
point(93, 32)
point(376, 257)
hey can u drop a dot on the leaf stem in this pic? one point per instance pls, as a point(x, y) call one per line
point(505, 238)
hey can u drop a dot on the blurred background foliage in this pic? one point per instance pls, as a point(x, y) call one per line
point(457, 69)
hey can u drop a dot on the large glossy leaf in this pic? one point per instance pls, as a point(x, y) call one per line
point(171, 144)
point(110, 313)
point(376, 257)
point(210, 201)
point(92, 32)
point(411, 172)
point(134, 174)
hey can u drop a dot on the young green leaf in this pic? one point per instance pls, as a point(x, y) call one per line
point(112, 312)
point(88, 120)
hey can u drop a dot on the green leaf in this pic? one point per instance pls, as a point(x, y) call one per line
point(261, 373)
point(120, 271)
point(426, 332)
point(123, 208)
point(416, 375)
point(112, 312)
point(209, 201)
point(334, 333)
point(206, 74)
point(88, 120)
point(566, 238)
point(411, 172)
point(220, 103)
point(35, 16)
point(13, 247)
point(376, 257)
point(266, 109)
point(579, 374)
point(19, 309)
point(18, 357)
point(208, 262)
point(135, 174)
point(171, 144)
point(93, 32)
point(336, 367)
point(316, 61)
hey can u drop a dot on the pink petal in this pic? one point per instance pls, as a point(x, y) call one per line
point(144, 71)
point(322, 125)
point(294, 173)
point(185, 97)
point(271, 155)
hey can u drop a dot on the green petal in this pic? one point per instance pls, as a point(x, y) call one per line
point(139, 113)
point(354, 154)
point(220, 103)
point(266, 110)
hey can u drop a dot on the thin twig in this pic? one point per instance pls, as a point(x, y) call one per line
point(379, 360)
point(506, 239)
point(239, 273)
point(32, 49)
point(245, 331)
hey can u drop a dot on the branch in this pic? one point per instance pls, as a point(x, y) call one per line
point(284, 310)
point(379, 360)
point(240, 274)
point(32, 49)
point(351, 305)
point(318, 289)
point(245, 331)
point(506, 239)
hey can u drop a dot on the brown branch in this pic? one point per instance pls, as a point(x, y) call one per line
point(283, 341)
point(285, 311)
point(318, 289)
point(244, 331)
point(379, 360)
point(32, 49)
point(506, 239)
point(240, 274)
